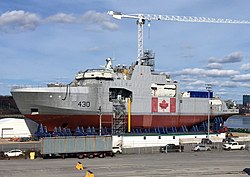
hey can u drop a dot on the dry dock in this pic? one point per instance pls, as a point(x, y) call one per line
point(214, 163)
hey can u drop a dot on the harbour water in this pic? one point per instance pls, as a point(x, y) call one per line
point(238, 122)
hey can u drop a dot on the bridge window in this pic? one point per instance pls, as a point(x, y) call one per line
point(34, 111)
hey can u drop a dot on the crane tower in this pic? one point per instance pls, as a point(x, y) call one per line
point(141, 18)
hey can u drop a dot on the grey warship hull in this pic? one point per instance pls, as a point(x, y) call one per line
point(156, 101)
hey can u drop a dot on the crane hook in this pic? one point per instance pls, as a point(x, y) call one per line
point(149, 29)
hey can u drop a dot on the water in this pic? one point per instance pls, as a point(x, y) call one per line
point(238, 122)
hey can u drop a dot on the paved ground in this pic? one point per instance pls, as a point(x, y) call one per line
point(195, 164)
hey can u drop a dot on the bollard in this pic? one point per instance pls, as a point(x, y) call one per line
point(89, 174)
point(32, 155)
point(79, 166)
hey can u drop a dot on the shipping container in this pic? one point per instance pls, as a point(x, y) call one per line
point(200, 94)
point(80, 146)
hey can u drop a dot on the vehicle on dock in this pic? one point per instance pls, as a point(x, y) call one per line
point(206, 141)
point(117, 150)
point(201, 147)
point(209, 143)
point(77, 146)
point(172, 148)
point(14, 153)
point(233, 146)
point(228, 140)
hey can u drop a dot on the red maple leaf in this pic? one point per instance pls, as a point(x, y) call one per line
point(163, 104)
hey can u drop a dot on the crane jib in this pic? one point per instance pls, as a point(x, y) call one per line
point(149, 17)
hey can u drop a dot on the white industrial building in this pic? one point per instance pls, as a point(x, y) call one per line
point(16, 127)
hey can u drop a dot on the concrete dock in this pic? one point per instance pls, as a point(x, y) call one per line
point(213, 163)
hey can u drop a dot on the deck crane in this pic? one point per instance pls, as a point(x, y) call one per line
point(141, 18)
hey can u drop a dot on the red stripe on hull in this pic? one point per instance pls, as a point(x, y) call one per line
point(137, 121)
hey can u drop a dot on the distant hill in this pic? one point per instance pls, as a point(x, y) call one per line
point(8, 106)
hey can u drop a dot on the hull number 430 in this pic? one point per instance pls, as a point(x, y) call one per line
point(84, 104)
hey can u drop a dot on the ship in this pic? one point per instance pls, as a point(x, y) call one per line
point(120, 97)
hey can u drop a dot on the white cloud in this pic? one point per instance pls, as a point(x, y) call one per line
point(197, 83)
point(194, 87)
point(187, 79)
point(231, 58)
point(18, 20)
point(214, 66)
point(242, 77)
point(245, 84)
point(245, 67)
point(234, 84)
point(229, 84)
point(101, 19)
point(23, 21)
point(221, 73)
point(61, 18)
point(194, 83)
point(190, 71)
point(208, 73)
point(214, 83)
point(221, 93)
point(93, 49)
point(189, 87)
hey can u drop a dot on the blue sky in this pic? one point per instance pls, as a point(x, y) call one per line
point(47, 41)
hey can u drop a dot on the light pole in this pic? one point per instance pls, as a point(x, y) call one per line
point(100, 120)
point(209, 89)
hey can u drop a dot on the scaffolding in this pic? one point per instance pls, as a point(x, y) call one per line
point(119, 114)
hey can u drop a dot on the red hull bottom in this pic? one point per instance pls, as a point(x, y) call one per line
point(137, 121)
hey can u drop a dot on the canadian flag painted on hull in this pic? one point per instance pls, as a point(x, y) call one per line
point(163, 104)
